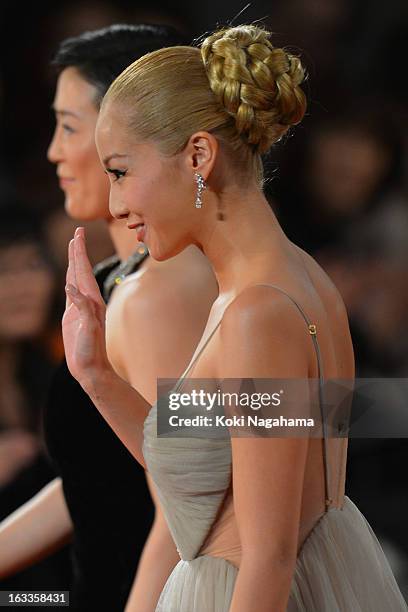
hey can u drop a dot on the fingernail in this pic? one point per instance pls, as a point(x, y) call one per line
point(71, 289)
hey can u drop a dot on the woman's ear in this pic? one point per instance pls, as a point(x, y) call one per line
point(201, 153)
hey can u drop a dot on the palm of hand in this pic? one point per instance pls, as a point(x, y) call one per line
point(83, 323)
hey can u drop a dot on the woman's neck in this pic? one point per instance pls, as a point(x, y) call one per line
point(124, 240)
point(248, 242)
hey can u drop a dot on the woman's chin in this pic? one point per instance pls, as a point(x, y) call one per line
point(74, 209)
point(163, 254)
point(160, 253)
point(78, 211)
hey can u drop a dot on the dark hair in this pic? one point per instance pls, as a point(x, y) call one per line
point(18, 224)
point(101, 55)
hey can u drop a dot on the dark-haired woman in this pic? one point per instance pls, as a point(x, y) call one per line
point(261, 523)
point(27, 288)
point(101, 500)
point(27, 292)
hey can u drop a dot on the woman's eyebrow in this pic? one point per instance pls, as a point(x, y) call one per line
point(114, 155)
point(64, 113)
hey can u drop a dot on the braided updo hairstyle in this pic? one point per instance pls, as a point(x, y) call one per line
point(256, 83)
point(237, 86)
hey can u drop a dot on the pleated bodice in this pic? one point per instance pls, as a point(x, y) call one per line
point(193, 475)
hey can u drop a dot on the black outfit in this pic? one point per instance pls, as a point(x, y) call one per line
point(105, 490)
point(54, 572)
point(34, 374)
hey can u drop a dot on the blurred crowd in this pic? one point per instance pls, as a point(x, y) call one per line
point(338, 184)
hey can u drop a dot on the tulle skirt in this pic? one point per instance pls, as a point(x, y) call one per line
point(340, 568)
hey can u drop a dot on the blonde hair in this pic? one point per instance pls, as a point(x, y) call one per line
point(238, 86)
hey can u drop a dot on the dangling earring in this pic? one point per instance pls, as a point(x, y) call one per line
point(201, 185)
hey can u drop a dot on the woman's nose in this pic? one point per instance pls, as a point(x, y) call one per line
point(117, 208)
point(54, 153)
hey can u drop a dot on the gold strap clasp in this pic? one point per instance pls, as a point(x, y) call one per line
point(312, 329)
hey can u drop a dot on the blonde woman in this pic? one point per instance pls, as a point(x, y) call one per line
point(260, 524)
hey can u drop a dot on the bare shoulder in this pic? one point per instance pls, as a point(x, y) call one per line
point(262, 309)
point(175, 293)
point(146, 297)
point(175, 279)
point(323, 283)
point(268, 320)
point(254, 300)
point(263, 335)
point(335, 336)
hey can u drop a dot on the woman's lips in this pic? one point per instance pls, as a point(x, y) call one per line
point(140, 232)
point(65, 182)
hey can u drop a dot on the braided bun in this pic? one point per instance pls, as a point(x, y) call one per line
point(256, 83)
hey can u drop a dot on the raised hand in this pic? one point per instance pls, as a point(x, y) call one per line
point(83, 323)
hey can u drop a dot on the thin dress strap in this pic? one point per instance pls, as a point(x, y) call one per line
point(196, 357)
point(313, 333)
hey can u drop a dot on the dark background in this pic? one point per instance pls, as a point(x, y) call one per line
point(338, 183)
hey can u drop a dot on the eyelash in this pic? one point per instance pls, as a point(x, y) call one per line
point(68, 129)
point(117, 173)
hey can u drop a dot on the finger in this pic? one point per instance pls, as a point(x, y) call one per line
point(70, 276)
point(84, 305)
point(86, 282)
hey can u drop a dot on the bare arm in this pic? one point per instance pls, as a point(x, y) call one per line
point(34, 531)
point(268, 472)
point(157, 561)
point(83, 329)
point(153, 325)
point(144, 341)
point(151, 346)
point(155, 345)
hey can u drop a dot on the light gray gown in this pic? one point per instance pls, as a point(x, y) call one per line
point(341, 566)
